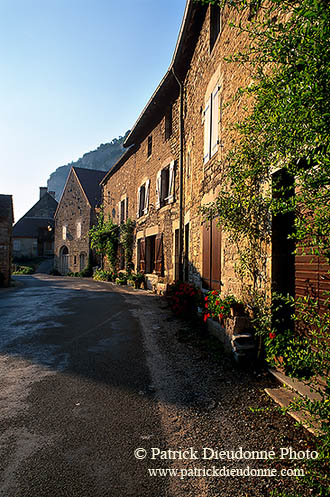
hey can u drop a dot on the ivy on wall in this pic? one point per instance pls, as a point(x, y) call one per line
point(288, 56)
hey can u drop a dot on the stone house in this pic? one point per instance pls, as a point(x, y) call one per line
point(173, 166)
point(33, 234)
point(75, 215)
point(6, 224)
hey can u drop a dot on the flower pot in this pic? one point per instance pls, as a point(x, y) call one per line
point(236, 310)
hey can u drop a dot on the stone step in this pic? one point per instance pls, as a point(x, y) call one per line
point(284, 397)
point(298, 386)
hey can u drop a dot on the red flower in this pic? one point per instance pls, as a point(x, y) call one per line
point(221, 307)
point(272, 335)
point(214, 292)
point(220, 316)
point(217, 302)
point(206, 305)
point(206, 298)
point(206, 316)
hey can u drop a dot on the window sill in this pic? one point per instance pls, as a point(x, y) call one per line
point(165, 207)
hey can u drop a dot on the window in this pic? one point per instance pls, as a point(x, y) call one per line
point(165, 186)
point(188, 164)
point(168, 123)
point(74, 259)
point(211, 125)
point(143, 199)
point(215, 24)
point(64, 232)
point(150, 255)
point(211, 269)
point(122, 211)
point(17, 244)
point(79, 229)
point(149, 145)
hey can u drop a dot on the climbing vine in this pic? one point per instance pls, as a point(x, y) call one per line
point(104, 238)
point(127, 239)
point(287, 127)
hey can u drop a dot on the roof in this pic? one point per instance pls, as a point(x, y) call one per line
point(28, 227)
point(90, 180)
point(44, 208)
point(6, 207)
point(165, 92)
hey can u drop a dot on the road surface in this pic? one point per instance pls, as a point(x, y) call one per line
point(90, 372)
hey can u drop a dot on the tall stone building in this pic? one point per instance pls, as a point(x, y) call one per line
point(172, 167)
point(75, 215)
point(33, 234)
point(6, 224)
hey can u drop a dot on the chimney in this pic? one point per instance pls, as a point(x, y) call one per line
point(43, 191)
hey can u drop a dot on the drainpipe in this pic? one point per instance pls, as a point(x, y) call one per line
point(181, 232)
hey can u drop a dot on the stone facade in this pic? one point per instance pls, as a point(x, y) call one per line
point(210, 82)
point(75, 215)
point(190, 251)
point(6, 223)
point(158, 220)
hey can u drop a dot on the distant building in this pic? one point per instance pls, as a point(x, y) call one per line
point(6, 223)
point(33, 234)
point(75, 215)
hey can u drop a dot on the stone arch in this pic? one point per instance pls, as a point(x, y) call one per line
point(64, 259)
point(82, 260)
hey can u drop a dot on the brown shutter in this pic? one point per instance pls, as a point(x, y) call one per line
point(159, 255)
point(206, 235)
point(216, 256)
point(126, 214)
point(142, 260)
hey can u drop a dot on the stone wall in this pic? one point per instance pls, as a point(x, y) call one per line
point(201, 181)
point(6, 222)
point(135, 171)
point(73, 208)
point(207, 71)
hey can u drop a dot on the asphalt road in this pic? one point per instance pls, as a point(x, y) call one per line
point(75, 393)
point(90, 372)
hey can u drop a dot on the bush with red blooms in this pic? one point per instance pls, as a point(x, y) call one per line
point(184, 298)
point(216, 306)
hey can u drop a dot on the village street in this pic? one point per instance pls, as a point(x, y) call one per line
point(90, 372)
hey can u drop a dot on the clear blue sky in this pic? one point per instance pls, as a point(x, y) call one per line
point(74, 74)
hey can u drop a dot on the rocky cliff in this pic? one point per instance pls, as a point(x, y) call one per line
point(103, 158)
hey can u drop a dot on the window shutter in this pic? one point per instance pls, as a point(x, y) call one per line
point(215, 121)
point(207, 123)
point(126, 208)
point(159, 255)
point(138, 202)
point(171, 182)
point(142, 255)
point(158, 189)
point(206, 267)
point(216, 256)
point(146, 197)
point(118, 213)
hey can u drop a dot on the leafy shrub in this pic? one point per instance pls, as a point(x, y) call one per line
point(216, 306)
point(101, 275)
point(23, 270)
point(137, 278)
